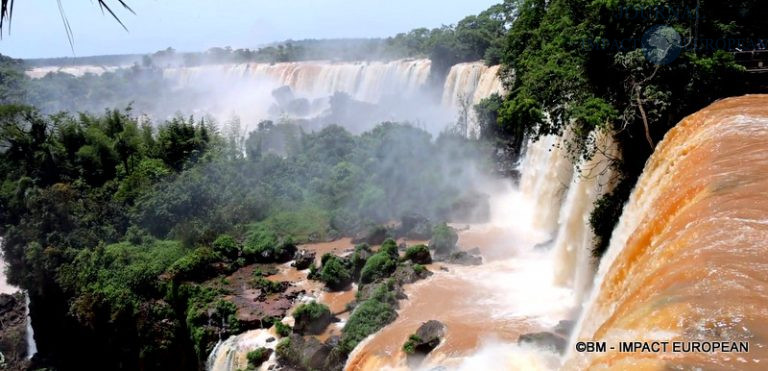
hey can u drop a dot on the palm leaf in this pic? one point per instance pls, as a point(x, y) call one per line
point(6, 13)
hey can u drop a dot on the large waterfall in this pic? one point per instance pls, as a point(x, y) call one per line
point(396, 90)
point(688, 260)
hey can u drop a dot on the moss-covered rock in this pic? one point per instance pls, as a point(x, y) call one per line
point(311, 318)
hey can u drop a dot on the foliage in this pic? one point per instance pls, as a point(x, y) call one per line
point(311, 311)
point(444, 239)
point(268, 287)
point(282, 329)
point(569, 76)
point(336, 272)
point(380, 265)
point(258, 356)
point(418, 254)
point(369, 316)
point(410, 345)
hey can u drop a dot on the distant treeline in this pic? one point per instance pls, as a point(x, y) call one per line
point(477, 37)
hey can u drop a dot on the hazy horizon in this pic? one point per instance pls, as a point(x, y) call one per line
point(37, 30)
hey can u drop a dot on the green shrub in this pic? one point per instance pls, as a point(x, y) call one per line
point(282, 329)
point(336, 272)
point(444, 239)
point(369, 316)
point(263, 245)
point(195, 266)
point(410, 346)
point(418, 254)
point(380, 265)
point(226, 246)
point(311, 311)
point(268, 287)
point(258, 356)
point(390, 247)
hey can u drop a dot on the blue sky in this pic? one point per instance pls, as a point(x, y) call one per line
point(194, 25)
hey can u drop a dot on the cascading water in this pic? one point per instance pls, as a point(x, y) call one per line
point(466, 85)
point(687, 261)
point(31, 344)
point(363, 81)
point(305, 90)
point(6, 288)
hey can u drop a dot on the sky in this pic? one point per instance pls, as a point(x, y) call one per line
point(196, 25)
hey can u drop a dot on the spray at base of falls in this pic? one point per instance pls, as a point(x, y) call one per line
point(400, 87)
point(687, 261)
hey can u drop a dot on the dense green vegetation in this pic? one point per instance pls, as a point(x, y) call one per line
point(118, 228)
point(121, 229)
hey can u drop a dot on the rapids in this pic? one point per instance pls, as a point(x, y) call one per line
point(688, 260)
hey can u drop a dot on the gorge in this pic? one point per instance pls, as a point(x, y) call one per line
point(497, 193)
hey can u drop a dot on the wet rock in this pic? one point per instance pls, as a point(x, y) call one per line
point(303, 259)
point(333, 341)
point(564, 327)
point(415, 226)
point(427, 338)
point(311, 318)
point(461, 258)
point(375, 235)
point(544, 340)
point(443, 240)
point(307, 353)
point(259, 356)
point(270, 339)
point(13, 331)
point(418, 254)
point(365, 292)
point(410, 273)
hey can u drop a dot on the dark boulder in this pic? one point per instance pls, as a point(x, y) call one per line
point(375, 235)
point(544, 340)
point(415, 226)
point(307, 353)
point(311, 319)
point(303, 259)
point(365, 292)
point(427, 338)
point(443, 240)
point(461, 258)
point(410, 273)
point(418, 254)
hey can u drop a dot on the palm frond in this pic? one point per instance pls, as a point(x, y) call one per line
point(6, 14)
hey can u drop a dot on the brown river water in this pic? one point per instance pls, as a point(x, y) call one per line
point(689, 259)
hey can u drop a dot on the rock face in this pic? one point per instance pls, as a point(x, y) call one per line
point(13, 332)
point(418, 254)
point(308, 353)
point(307, 325)
point(460, 258)
point(304, 259)
point(544, 340)
point(373, 236)
point(415, 226)
point(427, 337)
point(408, 273)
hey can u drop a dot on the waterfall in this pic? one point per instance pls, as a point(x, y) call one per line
point(31, 345)
point(305, 89)
point(687, 261)
point(466, 85)
point(231, 354)
point(363, 81)
point(564, 194)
